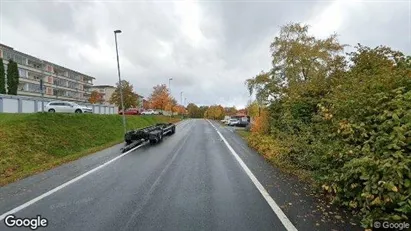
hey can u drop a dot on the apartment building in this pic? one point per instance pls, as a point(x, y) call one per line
point(105, 92)
point(59, 82)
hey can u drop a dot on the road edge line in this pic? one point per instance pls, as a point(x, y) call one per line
point(50, 192)
point(276, 209)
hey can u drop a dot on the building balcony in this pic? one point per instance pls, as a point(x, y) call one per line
point(58, 74)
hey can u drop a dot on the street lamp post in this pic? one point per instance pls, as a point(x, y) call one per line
point(119, 82)
point(42, 86)
point(169, 84)
point(181, 98)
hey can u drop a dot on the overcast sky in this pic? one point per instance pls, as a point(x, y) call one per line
point(208, 47)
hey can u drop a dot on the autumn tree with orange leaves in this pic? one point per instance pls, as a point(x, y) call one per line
point(179, 109)
point(95, 97)
point(161, 99)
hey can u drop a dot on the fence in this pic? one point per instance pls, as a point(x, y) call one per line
point(24, 104)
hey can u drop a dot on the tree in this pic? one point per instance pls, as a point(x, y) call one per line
point(2, 78)
point(160, 98)
point(129, 97)
point(344, 119)
point(298, 59)
point(230, 111)
point(215, 112)
point(193, 111)
point(146, 104)
point(12, 78)
point(253, 109)
point(173, 104)
point(179, 109)
point(95, 97)
point(201, 111)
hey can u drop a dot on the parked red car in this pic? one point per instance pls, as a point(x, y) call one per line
point(131, 111)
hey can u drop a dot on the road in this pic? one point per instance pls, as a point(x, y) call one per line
point(191, 181)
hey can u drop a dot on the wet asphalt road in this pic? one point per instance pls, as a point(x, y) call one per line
point(190, 181)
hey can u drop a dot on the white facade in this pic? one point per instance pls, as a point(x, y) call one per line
point(59, 82)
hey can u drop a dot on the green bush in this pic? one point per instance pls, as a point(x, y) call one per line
point(376, 178)
point(347, 122)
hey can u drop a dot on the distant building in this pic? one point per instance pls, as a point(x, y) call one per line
point(59, 82)
point(140, 101)
point(105, 92)
point(241, 113)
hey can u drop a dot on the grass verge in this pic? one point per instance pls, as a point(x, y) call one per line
point(244, 134)
point(31, 143)
point(271, 151)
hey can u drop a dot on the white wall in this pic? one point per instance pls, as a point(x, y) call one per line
point(10, 105)
point(28, 106)
point(24, 104)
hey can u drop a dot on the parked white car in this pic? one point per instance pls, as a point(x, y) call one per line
point(150, 112)
point(226, 120)
point(233, 122)
point(66, 107)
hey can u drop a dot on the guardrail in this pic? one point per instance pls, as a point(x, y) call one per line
point(26, 104)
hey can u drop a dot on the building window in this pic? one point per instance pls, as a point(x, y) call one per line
point(20, 59)
point(22, 73)
point(60, 82)
point(73, 85)
point(31, 87)
point(22, 87)
point(59, 92)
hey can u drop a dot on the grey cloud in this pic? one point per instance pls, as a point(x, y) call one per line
point(383, 23)
point(235, 43)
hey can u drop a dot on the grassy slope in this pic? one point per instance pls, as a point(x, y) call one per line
point(31, 143)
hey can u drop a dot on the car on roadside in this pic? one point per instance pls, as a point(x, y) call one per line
point(243, 122)
point(130, 111)
point(150, 112)
point(66, 107)
point(225, 120)
point(233, 122)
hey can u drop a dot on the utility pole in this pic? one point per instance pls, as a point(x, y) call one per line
point(119, 82)
point(181, 98)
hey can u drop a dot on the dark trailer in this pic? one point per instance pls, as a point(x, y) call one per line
point(154, 134)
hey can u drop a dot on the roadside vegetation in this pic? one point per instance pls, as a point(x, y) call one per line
point(343, 118)
point(30, 143)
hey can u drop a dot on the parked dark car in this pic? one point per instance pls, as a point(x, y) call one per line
point(244, 121)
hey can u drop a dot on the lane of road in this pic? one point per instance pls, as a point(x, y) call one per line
point(190, 181)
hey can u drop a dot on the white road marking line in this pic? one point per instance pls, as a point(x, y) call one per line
point(277, 210)
point(28, 203)
point(32, 201)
